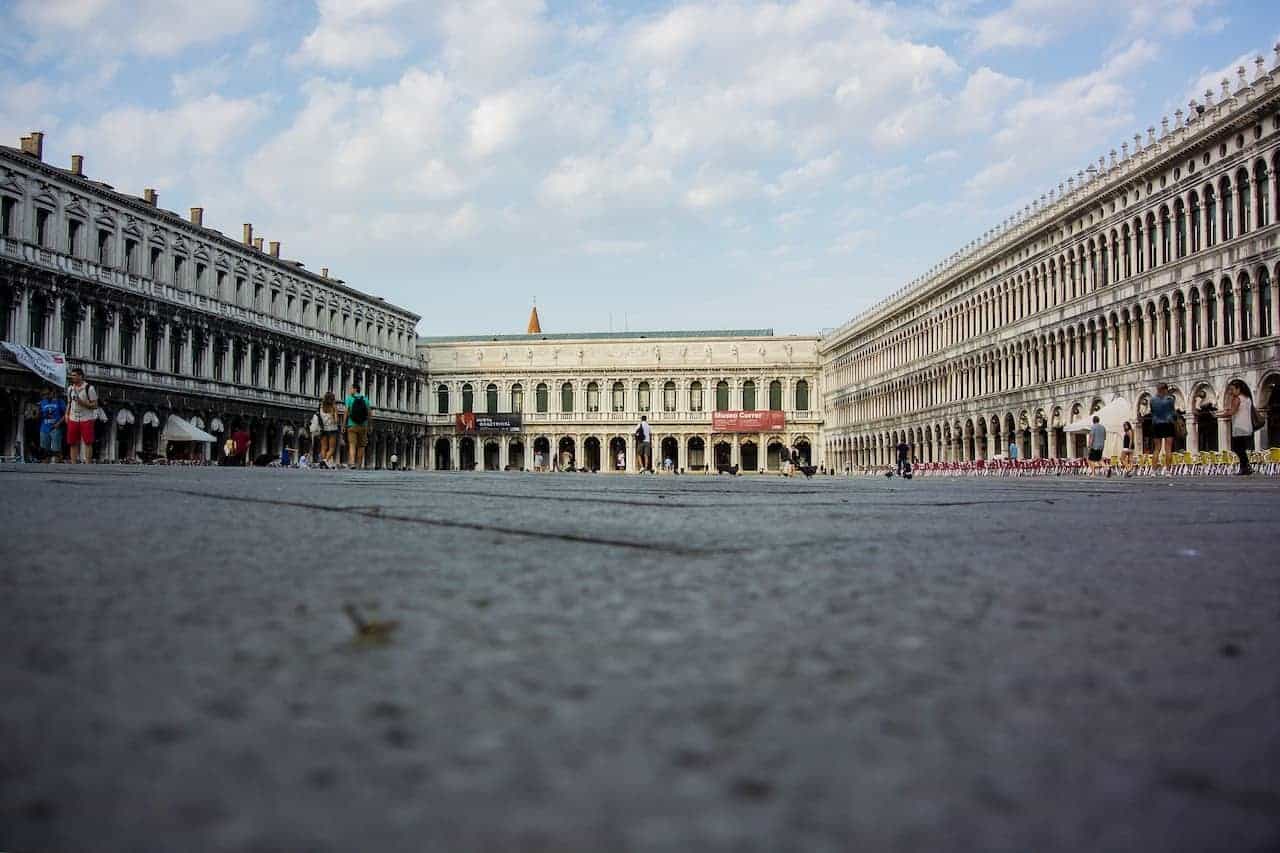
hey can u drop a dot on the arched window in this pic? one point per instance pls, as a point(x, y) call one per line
point(1210, 316)
point(669, 396)
point(722, 396)
point(695, 397)
point(593, 397)
point(643, 401)
point(1262, 193)
point(1265, 296)
point(619, 397)
point(1242, 199)
point(1152, 238)
point(442, 400)
point(468, 398)
point(540, 395)
point(802, 396)
point(775, 396)
point(1164, 235)
point(1210, 217)
point(1195, 222)
point(748, 396)
point(1179, 229)
point(1246, 308)
point(491, 398)
point(1194, 312)
point(1224, 190)
point(517, 398)
point(566, 397)
point(1228, 312)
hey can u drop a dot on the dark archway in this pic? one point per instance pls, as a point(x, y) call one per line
point(724, 454)
point(618, 453)
point(591, 453)
point(697, 454)
point(670, 449)
point(804, 451)
point(542, 452)
point(492, 456)
point(444, 454)
point(566, 454)
point(750, 455)
point(515, 456)
point(466, 454)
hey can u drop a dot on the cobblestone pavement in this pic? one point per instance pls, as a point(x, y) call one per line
point(608, 663)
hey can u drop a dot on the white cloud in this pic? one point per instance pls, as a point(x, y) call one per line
point(946, 155)
point(153, 28)
point(716, 189)
point(614, 247)
point(1036, 23)
point(810, 174)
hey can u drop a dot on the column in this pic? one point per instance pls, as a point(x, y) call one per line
point(22, 320)
point(55, 325)
point(1193, 433)
point(1035, 442)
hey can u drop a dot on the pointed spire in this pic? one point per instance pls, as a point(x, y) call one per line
point(535, 327)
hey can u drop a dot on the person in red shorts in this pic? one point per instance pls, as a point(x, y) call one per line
point(82, 414)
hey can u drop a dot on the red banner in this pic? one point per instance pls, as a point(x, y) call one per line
point(757, 421)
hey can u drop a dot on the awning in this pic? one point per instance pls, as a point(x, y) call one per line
point(1112, 416)
point(197, 422)
point(124, 417)
point(176, 429)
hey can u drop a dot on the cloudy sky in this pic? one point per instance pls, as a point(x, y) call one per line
point(652, 163)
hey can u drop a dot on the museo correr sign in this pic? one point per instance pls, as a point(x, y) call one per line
point(472, 423)
point(755, 421)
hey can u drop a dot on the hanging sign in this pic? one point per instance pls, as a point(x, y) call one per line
point(49, 366)
point(754, 421)
point(472, 423)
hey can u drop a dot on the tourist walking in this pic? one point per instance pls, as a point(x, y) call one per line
point(904, 458)
point(359, 414)
point(1126, 448)
point(1162, 427)
point(236, 452)
point(81, 415)
point(53, 421)
point(1239, 410)
point(329, 426)
point(1097, 442)
point(644, 444)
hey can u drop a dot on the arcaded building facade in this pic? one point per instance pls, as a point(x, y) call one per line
point(167, 316)
point(579, 396)
point(1158, 263)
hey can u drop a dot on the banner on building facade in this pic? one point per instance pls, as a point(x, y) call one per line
point(473, 423)
point(49, 366)
point(757, 421)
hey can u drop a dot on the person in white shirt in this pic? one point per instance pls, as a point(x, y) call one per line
point(644, 444)
point(1239, 411)
point(82, 414)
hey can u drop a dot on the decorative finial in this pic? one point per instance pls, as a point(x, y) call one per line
point(1259, 67)
point(1226, 88)
point(1208, 97)
point(1240, 75)
point(1124, 151)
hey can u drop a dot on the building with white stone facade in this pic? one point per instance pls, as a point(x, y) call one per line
point(167, 316)
point(1158, 263)
point(580, 396)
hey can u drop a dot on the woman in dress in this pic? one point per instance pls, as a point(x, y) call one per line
point(1126, 448)
point(1239, 411)
point(329, 423)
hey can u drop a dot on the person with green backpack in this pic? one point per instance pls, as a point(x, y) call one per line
point(359, 414)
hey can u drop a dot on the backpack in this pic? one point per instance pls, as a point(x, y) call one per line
point(359, 411)
point(639, 433)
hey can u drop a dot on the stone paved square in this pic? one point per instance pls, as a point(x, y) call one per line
point(590, 662)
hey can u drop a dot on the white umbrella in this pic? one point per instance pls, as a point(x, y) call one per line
point(1112, 416)
point(176, 429)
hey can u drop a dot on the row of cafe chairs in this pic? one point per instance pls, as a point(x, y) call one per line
point(1212, 463)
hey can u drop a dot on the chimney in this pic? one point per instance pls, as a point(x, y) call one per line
point(77, 164)
point(33, 144)
point(275, 248)
point(257, 243)
point(324, 272)
point(197, 216)
point(248, 234)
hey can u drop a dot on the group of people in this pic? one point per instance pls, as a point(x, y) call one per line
point(1168, 424)
point(68, 420)
point(353, 417)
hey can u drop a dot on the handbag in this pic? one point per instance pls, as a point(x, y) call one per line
point(1256, 417)
point(1180, 426)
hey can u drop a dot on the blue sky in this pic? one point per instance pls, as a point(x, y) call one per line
point(715, 164)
